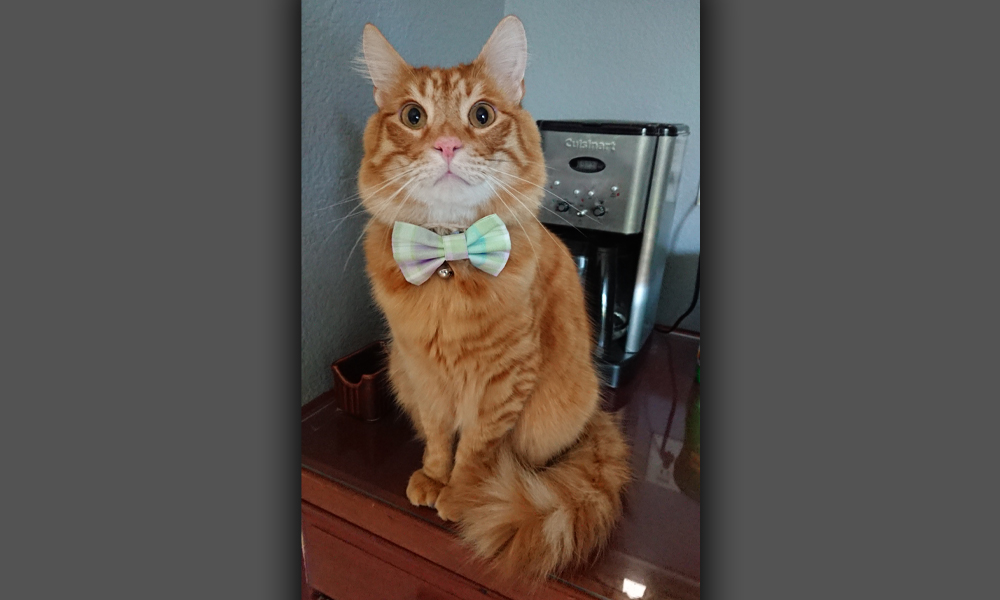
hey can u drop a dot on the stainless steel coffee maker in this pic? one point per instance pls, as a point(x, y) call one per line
point(612, 193)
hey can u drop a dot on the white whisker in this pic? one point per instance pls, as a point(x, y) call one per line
point(511, 191)
point(386, 202)
point(514, 214)
point(385, 207)
point(364, 230)
point(587, 215)
point(544, 166)
point(353, 197)
point(526, 208)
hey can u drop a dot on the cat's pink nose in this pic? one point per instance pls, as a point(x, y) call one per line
point(447, 146)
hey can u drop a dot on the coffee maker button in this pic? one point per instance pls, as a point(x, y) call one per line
point(599, 211)
point(556, 182)
point(614, 188)
point(591, 193)
point(576, 192)
point(562, 207)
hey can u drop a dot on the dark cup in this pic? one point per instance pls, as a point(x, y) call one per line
point(360, 382)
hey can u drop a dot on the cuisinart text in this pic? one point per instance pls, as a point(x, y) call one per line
point(590, 144)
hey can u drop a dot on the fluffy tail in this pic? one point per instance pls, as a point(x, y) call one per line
point(531, 522)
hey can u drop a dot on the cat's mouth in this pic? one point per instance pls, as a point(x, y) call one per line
point(451, 195)
point(450, 176)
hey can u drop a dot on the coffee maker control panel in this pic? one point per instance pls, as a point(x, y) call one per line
point(597, 181)
point(594, 201)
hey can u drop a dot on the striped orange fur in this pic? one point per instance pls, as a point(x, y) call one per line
point(504, 364)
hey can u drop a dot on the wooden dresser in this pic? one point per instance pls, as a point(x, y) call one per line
point(361, 538)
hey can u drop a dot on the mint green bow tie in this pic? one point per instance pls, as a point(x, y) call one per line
point(419, 252)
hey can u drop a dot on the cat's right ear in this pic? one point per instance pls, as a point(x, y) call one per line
point(505, 57)
point(384, 64)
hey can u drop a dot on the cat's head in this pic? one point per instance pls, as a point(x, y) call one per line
point(449, 146)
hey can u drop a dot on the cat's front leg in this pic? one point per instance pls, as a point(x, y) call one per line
point(427, 482)
point(499, 413)
point(433, 427)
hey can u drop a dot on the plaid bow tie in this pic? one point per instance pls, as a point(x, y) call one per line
point(419, 252)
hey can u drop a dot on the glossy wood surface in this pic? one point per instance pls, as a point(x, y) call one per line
point(357, 472)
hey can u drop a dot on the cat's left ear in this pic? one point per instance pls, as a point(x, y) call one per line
point(384, 64)
point(505, 57)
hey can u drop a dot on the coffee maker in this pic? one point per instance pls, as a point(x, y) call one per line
point(612, 190)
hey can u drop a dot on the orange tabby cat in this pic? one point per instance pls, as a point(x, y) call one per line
point(502, 362)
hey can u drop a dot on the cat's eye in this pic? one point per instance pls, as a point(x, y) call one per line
point(413, 116)
point(482, 115)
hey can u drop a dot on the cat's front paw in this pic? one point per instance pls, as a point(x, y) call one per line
point(446, 504)
point(422, 490)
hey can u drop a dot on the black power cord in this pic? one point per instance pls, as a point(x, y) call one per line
point(668, 457)
point(694, 302)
